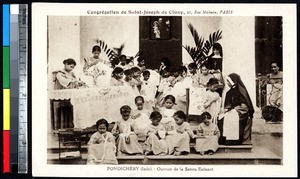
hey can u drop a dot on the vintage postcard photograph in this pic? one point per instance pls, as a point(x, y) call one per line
point(130, 90)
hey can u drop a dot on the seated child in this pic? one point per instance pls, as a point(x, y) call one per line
point(179, 139)
point(141, 64)
point(136, 74)
point(179, 89)
point(96, 50)
point(207, 136)
point(155, 142)
point(148, 90)
point(117, 77)
point(101, 147)
point(128, 77)
point(164, 88)
point(127, 142)
point(123, 63)
point(211, 99)
point(141, 118)
point(193, 74)
point(167, 113)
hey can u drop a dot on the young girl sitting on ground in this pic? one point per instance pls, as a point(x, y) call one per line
point(101, 147)
point(127, 142)
point(207, 136)
point(155, 142)
point(179, 139)
point(167, 113)
point(211, 99)
point(141, 118)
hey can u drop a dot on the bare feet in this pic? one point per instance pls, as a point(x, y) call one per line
point(177, 153)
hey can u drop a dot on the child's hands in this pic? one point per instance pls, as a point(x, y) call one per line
point(136, 116)
point(179, 131)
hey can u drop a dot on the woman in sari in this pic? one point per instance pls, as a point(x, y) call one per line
point(237, 124)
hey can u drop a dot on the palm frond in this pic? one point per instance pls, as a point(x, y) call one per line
point(199, 53)
point(213, 38)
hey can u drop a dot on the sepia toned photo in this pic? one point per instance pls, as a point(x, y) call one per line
point(172, 93)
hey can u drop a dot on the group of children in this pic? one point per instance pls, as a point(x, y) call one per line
point(158, 125)
point(144, 132)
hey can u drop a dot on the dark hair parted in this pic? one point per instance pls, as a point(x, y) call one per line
point(205, 115)
point(180, 114)
point(212, 81)
point(96, 48)
point(128, 72)
point(146, 72)
point(135, 69)
point(69, 61)
point(117, 70)
point(170, 97)
point(155, 115)
point(101, 121)
point(136, 99)
point(125, 108)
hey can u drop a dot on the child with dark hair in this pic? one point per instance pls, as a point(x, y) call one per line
point(207, 135)
point(192, 67)
point(117, 77)
point(96, 50)
point(211, 99)
point(204, 76)
point(124, 62)
point(179, 88)
point(127, 142)
point(97, 70)
point(128, 79)
point(179, 139)
point(137, 77)
point(165, 65)
point(141, 64)
point(155, 142)
point(167, 113)
point(101, 146)
point(148, 90)
point(141, 118)
point(164, 88)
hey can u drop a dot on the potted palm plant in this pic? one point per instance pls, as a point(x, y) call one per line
point(199, 52)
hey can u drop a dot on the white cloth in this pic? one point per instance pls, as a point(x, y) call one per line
point(231, 125)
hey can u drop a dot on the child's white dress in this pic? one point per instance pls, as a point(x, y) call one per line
point(209, 138)
point(102, 149)
point(127, 142)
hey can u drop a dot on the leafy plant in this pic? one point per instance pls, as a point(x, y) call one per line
point(199, 53)
point(111, 53)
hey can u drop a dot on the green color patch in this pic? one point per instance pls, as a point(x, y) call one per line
point(6, 67)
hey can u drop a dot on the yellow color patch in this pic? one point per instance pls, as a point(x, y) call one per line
point(6, 109)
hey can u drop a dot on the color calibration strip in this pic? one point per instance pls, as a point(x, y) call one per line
point(6, 88)
point(15, 54)
point(14, 85)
